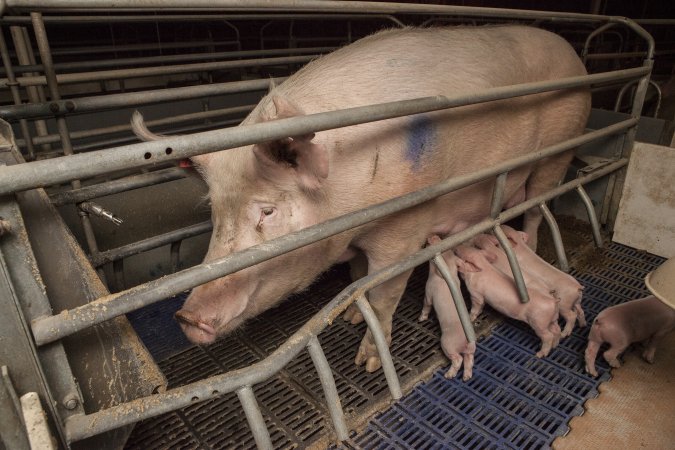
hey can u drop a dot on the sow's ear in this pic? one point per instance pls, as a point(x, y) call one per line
point(297, 155)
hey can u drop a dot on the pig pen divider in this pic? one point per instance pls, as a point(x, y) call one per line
point(52, 328)
point(82, 426)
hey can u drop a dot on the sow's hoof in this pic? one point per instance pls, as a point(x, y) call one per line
point(368, 354)
point(353, 315)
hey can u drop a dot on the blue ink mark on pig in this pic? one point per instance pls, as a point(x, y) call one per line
point(421, 137)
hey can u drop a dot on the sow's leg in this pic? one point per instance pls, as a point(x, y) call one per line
point(358, 268)
point(546, 175)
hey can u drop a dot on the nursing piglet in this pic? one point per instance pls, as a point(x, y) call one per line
point(487, 284)
point(645, 320)
point(565, 286)
point(453, 341)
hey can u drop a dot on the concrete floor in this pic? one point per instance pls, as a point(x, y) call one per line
point(635, 409)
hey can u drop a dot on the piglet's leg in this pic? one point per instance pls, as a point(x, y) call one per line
point(570, 317)
point(581, 317)
point(611, 355)
point(468, 366)
point(650, 346)
point(547, 339)
point(456, 361)
point(477, 303)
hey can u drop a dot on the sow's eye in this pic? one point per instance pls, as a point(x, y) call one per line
point(266, 213)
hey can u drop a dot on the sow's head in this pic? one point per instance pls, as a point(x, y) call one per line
point(259, 193)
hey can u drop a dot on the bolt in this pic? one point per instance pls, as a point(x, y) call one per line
point(54, 107)
point(70, 106)
point(70, 402)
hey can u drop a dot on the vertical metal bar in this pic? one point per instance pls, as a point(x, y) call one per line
point(513, 262)
point(254, 418)
point(592, 217)
point(16, 95)
point(118, 270)
point(36, 421)
point(175, 256)
point(50, 75)
point(329, 388)
point(498, 195)
point(35, 95)
point(594, 33)
point(382, 347)
point(557, 239)
point(12, 430)
point(457, 298)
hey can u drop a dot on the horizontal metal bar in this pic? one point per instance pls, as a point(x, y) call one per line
point(58, 170)
point(117, 74)
point(173, 120)
point(83, 426)
point(117, 186)
point(65, 323)
point(189, 17)
point(150, 243)
point(131, 99)
point(139, 47)
point(163, 59)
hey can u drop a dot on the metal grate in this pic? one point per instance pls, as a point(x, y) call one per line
point(292, 403)
point(514, 400)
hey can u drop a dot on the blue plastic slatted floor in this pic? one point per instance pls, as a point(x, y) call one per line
point(514, 399)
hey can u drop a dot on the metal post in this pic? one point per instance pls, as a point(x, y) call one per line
point(16, 96)
point(329, 388)
point(457, 298)
point(513, 262)
point(254, 417)
point(45, 55)
point(498, 195)
point(175, 256)
point(592, 217)
point(557, 239)
point(382, 346)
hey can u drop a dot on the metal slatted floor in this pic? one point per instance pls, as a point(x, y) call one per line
point(514, 400)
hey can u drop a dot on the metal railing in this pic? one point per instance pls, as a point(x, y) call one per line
point(77, 166)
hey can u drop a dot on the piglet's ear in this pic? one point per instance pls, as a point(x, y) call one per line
point(491, 257)
point(296, 156)
point(524, 236)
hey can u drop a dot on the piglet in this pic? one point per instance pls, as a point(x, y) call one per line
point(563, 286)
point(487, 284)
point(453, 341)
point(645, 320)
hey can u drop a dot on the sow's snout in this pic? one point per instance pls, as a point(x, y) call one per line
point(196, 330)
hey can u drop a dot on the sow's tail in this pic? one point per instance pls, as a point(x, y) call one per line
point(594, 343)
point(141, 130)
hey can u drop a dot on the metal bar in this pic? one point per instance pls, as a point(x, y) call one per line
point(557, 239)
point(84, 77)
point(113, 187)
point(150, 60)
point(175, 256)
point(513, 262)
point(138, 47)
point(173, 120)
point(126, 100)
point(457, 297)
point(36, 421)
point(12, 430)
point(329, 388)
point(16, 96)
point(624, 88)
point(83, 426)
point(254, 418)
point(191, 17)
point(150, 243)
point(44, 173)
point(498, 194)
point(592, 217)
point(591, 36)
point(65, 323)
point(599, 56)
point(382, 346)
